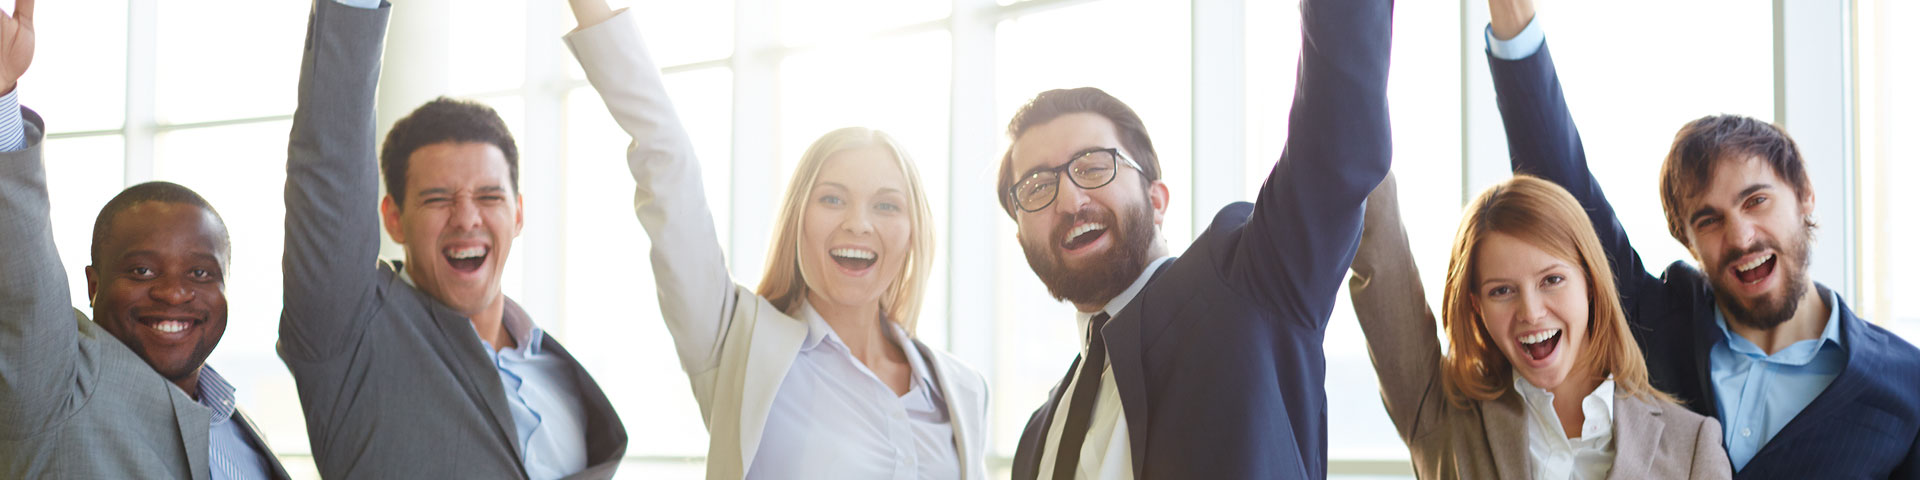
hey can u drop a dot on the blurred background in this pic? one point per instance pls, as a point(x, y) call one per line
point(201, 93)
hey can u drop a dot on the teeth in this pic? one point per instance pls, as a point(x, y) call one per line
point(1084, 229)
point(171, 326)
point(1755, 263)
point(1539, 337)
point(852, 253)
point(466, 252)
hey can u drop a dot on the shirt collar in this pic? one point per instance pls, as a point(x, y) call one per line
point(1597, 406)
point(1829, 335)
point(524, 332)
point(1119, 301)
point(819, 332)
point(216, 394)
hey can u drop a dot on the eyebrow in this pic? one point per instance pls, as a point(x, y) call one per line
point(1744, 193)
point(883, 190)
point(446, 191)
point(1076, 154)
point(1549, 268)
point(196, 255)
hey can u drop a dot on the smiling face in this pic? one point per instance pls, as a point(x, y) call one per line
point(458, 224)
point(1088, 245)
point(856, 228)
point(159, 285)
point(1535, 307)
point(1750, 234)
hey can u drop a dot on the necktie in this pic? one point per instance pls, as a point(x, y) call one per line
point(1086, 389)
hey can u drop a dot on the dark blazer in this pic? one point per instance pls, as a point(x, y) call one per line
point(1218, 361)
point(394, 384)
point(74, 401)
point(1865, 425)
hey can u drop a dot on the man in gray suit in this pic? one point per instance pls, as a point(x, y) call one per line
point(128, 395)
point(421, 368)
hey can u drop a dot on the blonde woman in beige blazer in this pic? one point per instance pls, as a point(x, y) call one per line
point(816, 374)
point(1464, 414)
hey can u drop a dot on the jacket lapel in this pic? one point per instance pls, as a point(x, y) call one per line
point(1125, 351)
point(960, 399)
point(1845, 388)
point(1033, 442)
point(194, 421)
point(774, 347)
point(260, 441)
point(475, 371)
point(1637, 437)
point(606, 435)
point(1705, 335)
point(1505, 420)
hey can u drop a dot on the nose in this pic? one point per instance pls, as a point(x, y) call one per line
point(1741, 231)
point(465, 215)
point(171, 290)
point(857, 222)
point(1069, 197)
point(1533, 308)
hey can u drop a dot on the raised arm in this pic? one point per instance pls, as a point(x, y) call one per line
point(333, 223)
point(1542, 140)
point(697, 297)
point(1394, 315)
point(1306, 221)
point(38, 342)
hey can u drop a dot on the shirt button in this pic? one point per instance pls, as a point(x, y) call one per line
point(1746, 432)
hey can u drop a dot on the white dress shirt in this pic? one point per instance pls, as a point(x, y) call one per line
point(1553, 455)
point(834, 418)
point(1107, 453)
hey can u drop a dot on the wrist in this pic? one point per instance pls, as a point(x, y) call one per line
point(1509, 17)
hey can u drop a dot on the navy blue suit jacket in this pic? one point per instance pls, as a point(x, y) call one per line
point(1218, 360)
point(1865, 425)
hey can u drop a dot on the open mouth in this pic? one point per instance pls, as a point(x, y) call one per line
point(466, 259)
point(856, 259)
point(1541, 345)
point(1083, 235)
point(168, 326)
point(1755, 270)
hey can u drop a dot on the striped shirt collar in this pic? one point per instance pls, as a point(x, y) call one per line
point(216, 394)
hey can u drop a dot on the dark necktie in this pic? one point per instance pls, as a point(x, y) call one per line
point(1086, 390)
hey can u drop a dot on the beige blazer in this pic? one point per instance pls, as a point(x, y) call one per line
point(1653, 439)
point(735, 346)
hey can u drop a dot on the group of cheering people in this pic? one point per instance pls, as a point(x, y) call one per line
point(1564, 358)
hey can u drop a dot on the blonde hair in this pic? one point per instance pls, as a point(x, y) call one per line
point(1546, 216)
point(783, 285)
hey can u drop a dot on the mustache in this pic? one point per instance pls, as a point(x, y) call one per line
point(1089, 213)
point(1732, 253)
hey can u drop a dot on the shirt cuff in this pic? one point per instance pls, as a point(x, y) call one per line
point(367, 4)
point(1520, 46)
point(13, 135)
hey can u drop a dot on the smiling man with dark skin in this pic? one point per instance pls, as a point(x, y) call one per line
point(127, 394)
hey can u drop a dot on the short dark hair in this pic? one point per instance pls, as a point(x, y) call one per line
point(439, 121)
point(1052, 104)
point(1703, 143)
point(165, 192)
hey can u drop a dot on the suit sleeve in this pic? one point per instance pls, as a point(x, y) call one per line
point(333, 221)
point(697, 297)
point(1709, 457)
point(1306, 220)
point(1909, 468)
point(1393, 313)
point(1542, 141)
point(39, 346)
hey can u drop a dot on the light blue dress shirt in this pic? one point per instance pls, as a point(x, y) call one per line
point(1522, 45)
point(232, 455)
point(13, 133)
point(1759, 393)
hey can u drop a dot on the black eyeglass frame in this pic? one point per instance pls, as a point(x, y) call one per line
point(1118, 159)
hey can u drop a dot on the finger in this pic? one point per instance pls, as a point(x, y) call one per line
point(23, 12)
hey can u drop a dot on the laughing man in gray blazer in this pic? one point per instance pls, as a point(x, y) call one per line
point(420, 369)
point(128, 395)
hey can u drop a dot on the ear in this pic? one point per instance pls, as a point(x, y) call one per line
point(390, 214)
point(1157, 195)
point(93, 285)
point(519, 213)
point(1807, 204)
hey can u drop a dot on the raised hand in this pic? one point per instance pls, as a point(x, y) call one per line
point(1510, 17)
point(16, 44)
point(590, 12)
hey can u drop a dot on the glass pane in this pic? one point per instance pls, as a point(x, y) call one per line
point(1143, 58)
point(900, 86)
point(814, 21)
point(79, 76)
point(200, 75)
point(241, 170)
point(680, 32)
point(489, 45)
point(1891, 64)
point(82, 174)
point(613, 318)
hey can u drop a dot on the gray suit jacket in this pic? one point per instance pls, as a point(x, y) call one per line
point(74, 401)
point(1652, 439)
point(394, 384)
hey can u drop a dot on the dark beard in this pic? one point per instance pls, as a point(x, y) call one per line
point(1767, 313)
point(1105, 276)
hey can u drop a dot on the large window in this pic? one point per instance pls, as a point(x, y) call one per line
point(155, 92)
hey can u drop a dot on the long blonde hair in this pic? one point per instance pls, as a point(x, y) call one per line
point(1546, 216)
point(783, 285)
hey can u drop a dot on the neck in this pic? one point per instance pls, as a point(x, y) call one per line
point(190, 384)
point(1568, 398)
point(489, 324)
point(1807, 322)
point(860, 327)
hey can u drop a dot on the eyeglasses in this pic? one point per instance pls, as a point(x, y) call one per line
point(1089, 170)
